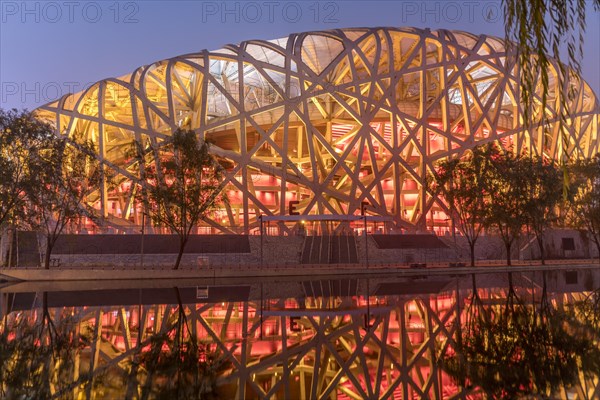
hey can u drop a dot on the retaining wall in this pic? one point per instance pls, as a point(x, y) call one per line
point(160, 251)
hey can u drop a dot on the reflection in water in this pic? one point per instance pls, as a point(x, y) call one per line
point(520, 345)
point(484, 336)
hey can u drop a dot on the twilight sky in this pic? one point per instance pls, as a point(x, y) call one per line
point(49, 48)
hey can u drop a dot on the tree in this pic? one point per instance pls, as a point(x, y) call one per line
point(464, 185)
point(21, 135)
point(541, 30)
point(182, 184)
point(18, 132)
point(586, 197)
point(63, 172)
point(507, 205)
point(543, 182)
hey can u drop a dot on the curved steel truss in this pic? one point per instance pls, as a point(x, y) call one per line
point(330, 119)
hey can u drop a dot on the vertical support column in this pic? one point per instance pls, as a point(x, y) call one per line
point(244, 355)
point(95, 353)
point(260, 218)
point(424, 147)
point(284, 161)
point(404, 342)
point(285, 373)
point(366, 243)
point(76, 363)
point(245, 186)
point(142, 240)
point(102, 152)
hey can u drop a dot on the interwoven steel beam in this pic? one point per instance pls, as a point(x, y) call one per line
point(330, 119)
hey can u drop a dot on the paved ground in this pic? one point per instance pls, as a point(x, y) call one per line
point(94, 274)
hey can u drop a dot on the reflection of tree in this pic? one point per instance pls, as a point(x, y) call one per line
point(177, 364)
point(585, 319)
point(173, 355)
point(55, 354)
point(515, 348)
point(36, 359)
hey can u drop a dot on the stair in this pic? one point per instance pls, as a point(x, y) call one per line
point(326, 288)
point(325, 250)
point(352, 250)
point(305, 259)
point(329, 250)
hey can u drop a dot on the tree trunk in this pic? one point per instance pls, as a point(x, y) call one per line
point(508, 245)
point(45, 311)
point(48, 253)
point(4, 239)
point(598, 247)
point(540, 240)
point(10, 247)
point(182, 244)
point(178, 258)
point(472, 247)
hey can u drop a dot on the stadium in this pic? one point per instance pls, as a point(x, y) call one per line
point(331, 125)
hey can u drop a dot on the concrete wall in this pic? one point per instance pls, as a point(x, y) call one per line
point(102, 251)
point(486, 248)
point(126, 250)
point(279, 249)
point(285, 250)
point(553, 245)
point(526, 248)
point(402, 256)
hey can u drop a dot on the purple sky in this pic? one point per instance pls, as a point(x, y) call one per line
point(49, 48)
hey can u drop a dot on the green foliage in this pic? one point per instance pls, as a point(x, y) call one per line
point(64, 171)
point(183, 183)
point(20, 133)
point(543, 181)
point(464, 184)
point(43, 177)
point(542, 29)
point(494, 189)
point(506, 211)
point(586, 197)
point(527, 191)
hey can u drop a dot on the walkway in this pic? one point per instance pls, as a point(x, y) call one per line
point(37, 274)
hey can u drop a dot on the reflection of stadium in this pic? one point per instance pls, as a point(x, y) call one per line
point(329, 119)
point(311, 341)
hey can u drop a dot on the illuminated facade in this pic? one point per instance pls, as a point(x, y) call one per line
point(330, 119)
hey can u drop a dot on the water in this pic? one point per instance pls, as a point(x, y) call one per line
point(467, 336)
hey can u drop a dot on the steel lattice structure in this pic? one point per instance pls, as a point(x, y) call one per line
point(330, 119)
